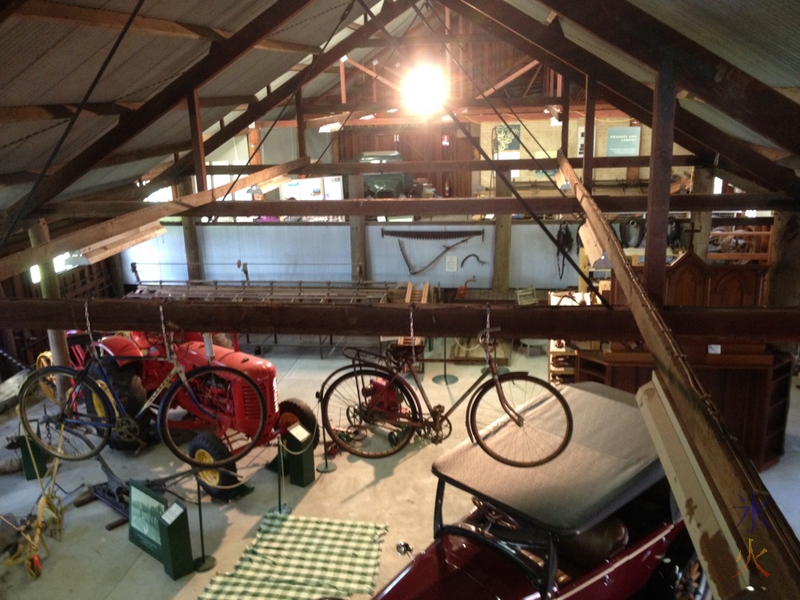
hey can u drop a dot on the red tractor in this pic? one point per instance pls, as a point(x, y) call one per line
point(134, 377)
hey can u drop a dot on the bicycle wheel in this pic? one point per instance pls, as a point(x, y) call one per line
point(224, 402)
point(368, 416)
point(67, 418)
point(545, 426)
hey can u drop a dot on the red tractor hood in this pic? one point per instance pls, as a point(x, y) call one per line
point(193, 354)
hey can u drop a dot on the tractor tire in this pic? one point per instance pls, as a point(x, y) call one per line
point(220, 483)
point(296, 411)
point(127, 384)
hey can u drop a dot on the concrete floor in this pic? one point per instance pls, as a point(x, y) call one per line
point(93, 562)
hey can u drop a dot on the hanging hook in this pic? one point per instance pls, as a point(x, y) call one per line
point(488, 327)
point(88, 324)
point(411, 331)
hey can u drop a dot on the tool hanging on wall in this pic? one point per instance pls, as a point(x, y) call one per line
point(564, 243)
point(412, 270)
point(674, 235)
point(463, 236)
point(478, 258)
point(625, 227)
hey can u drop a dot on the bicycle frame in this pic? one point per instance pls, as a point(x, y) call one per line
point(361, 359)
point(119, 409)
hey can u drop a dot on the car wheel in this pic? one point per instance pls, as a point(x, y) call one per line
point(691, 582)
point(680, 575)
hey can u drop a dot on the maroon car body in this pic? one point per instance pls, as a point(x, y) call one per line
point(596, 523)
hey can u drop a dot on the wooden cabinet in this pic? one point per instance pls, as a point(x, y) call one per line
point(561, 353)
point(751, 391)
point(692, 282)
point(560, 362)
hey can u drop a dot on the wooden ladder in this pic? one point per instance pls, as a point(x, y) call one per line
point(415, 296)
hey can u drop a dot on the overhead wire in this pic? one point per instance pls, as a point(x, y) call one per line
point(25, 209)
point(499, 173)
point(362, 96)
point(293, 95)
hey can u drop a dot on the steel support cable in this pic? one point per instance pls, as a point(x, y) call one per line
point(498, 172)
point(286, 104)
point(24, 210)
point(488, 100)
point(361, 97)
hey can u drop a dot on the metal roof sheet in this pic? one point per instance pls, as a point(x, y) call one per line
point(761, 38)
point(53, 62)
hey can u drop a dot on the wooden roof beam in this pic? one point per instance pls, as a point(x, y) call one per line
point(424, 207)
point(46, 112)
point(221, 55)
point(92, 17)
point(96, 234)
point(696, 69)
point(451, 320)
point(502, 83)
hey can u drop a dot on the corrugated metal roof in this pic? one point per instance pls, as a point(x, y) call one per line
point(761, 38)
point(53, 62)
point(607, 52)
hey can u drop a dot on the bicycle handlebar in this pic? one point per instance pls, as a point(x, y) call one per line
point(392, 356)
point(483, 336)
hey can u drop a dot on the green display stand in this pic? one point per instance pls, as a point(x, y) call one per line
point(176, 543)
point(32, 459)
point(299, 456)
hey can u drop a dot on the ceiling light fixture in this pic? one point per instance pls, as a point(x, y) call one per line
point(424, 90)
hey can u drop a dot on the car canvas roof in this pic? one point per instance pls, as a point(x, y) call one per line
point(609, 461)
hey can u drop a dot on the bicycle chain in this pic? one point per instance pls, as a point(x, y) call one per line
point(22, 367)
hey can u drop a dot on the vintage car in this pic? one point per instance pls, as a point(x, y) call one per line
point(597, 523)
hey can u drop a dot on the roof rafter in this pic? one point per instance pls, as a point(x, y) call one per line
point(551, 47)
point(130, 125)
point(255, 111)
point(93, 17)
point(696, 69)
point(44, 112)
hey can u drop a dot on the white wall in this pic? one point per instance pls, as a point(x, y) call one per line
point(321, 252)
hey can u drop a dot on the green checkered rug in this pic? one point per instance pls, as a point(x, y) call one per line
point(303, 558)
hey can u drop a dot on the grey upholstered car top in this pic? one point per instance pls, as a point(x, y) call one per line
point(610, 460)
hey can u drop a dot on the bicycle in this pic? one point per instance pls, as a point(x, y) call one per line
point(72, 413)
point(370, 410)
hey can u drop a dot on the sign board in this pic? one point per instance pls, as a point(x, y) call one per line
point(623, 141)
point(145, 509)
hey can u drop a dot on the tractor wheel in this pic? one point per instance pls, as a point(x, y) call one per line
point(127, 384)
point(218, 483)
point(296, 411)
